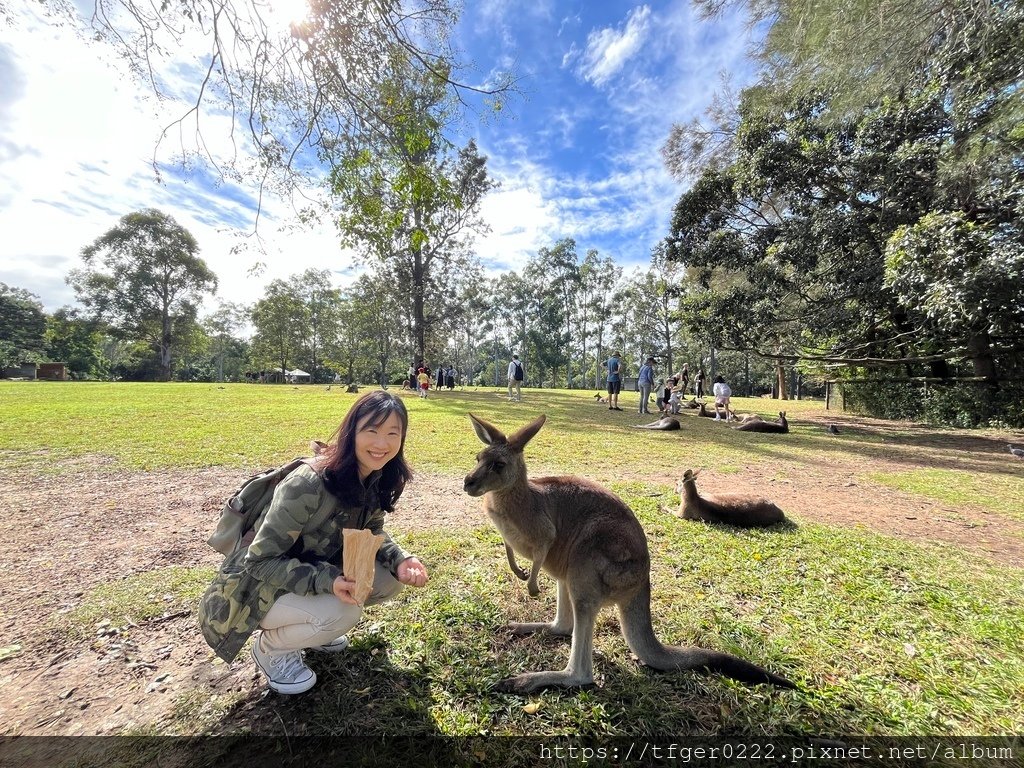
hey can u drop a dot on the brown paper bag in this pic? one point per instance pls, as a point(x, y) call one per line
point(358, 555)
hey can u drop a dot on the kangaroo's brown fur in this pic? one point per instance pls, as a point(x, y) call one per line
point(592, 544)
point(666, 424)
point(729, 508)
point(781, 425)
point(704, 411)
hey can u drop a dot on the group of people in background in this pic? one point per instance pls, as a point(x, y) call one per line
point(674, 389)
point(668, 398)
point(422, 379)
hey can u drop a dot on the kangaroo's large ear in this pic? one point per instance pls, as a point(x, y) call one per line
point(488, 433)
point(519, 440)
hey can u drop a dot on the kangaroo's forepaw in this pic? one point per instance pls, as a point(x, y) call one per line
point(533, 589)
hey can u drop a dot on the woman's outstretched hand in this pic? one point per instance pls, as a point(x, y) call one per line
point(412, 572)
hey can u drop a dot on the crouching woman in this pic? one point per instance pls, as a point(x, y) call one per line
point(286, 588)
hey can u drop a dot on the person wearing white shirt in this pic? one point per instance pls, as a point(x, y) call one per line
point(722, 394)
point(516, 376)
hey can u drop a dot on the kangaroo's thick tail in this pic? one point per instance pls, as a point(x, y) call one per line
point(635, 618)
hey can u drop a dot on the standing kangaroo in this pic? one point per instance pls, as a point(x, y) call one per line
point(593, 545)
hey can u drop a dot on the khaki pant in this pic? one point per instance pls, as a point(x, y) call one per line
point(295, 621)
point(515, 390)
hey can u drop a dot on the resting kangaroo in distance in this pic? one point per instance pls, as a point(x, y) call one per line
point(593, 545)
point(704, 411)
point(765, 426)
point(666, 424)
point(730, 508)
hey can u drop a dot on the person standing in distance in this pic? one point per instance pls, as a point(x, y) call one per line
point(646, 383)
point(614, 365)
point(723, 395)
point(516, 377)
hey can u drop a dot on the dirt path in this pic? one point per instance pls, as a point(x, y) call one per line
point(61, 537)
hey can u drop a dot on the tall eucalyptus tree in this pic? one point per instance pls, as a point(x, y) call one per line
point(411, 201)
point(144, 278)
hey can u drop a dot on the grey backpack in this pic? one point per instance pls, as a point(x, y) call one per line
point(237, 525)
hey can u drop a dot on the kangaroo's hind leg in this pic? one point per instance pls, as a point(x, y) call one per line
point(580, 669)
point(563, 623)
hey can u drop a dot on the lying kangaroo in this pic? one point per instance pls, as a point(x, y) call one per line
point(729, 508)
point(765, 426)
point(666, 424)
point(704, 411)
point(593, 545)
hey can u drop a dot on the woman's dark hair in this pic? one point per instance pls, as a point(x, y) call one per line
point(340, 469)
point(719, 380)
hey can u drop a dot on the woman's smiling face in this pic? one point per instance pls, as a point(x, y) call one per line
point(378, 444)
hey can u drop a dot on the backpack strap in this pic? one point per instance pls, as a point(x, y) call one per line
point(241, 512)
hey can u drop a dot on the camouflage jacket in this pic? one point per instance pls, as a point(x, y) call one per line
point(287, 556)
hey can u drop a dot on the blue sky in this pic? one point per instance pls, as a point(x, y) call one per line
point(576, 154)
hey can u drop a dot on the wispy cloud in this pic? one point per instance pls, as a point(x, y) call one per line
point(77, 145)
point(609, 49)
point(615, 194)
point(577, 156)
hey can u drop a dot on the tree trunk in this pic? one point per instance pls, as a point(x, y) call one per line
point(979, 348)
point(418, 320)
point(780, 381)
point(165, 351)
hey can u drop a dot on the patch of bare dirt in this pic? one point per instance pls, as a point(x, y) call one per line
point(64, 534)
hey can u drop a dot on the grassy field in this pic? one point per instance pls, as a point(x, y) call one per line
point(883, 636)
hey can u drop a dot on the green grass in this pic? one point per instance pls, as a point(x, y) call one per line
point(151, 426)
point(877, 634)
point(142, 598)
point(883, 636)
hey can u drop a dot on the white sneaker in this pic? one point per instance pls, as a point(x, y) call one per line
point(286, 672)
point(335, 646)
point(718, 418)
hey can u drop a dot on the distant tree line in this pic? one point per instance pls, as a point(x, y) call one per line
point(563, 313)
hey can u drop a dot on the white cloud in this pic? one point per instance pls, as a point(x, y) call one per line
point(521, 214)
point(609, 49)
point(77, 142)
